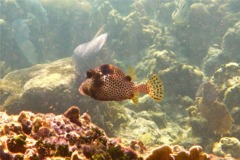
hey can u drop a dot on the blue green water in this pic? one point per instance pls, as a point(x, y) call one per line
point(192, 45)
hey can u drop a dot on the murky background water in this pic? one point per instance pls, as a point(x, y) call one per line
point(192, 45)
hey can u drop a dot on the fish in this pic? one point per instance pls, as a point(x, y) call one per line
point(109, 83)
point(84, 55)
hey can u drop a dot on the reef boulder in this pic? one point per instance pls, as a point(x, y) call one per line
point(231, 42)
point(40, 88)
point(227, 145)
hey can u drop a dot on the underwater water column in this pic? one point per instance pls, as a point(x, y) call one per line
point(21, 36)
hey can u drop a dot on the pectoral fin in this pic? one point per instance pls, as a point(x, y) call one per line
point(135, 98)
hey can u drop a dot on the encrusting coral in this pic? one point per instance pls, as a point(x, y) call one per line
point(166, 152)
point(71, 136)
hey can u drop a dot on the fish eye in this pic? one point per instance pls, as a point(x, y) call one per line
point(128, 78)
point(105, 69)
point(89, 74)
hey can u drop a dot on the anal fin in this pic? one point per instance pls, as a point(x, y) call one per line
point(135, 98)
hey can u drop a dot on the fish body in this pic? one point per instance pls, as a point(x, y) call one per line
point(109, 83)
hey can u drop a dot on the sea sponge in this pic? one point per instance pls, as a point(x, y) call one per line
point(162, 152)
point(196, 152)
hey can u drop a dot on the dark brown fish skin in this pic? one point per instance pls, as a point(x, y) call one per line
point(107, 83)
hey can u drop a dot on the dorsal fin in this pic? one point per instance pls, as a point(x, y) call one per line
point(131, 72)
point(128, 78)
point(100, 31)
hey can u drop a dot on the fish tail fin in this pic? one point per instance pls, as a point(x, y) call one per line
point(155, 88)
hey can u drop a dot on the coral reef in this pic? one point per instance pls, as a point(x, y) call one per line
point(218, 117)
point(212, 60)
point(218, 105)
point(220, 92)
point(193, 29)
point(182, 41)
point(177, 153)
point(230, 41)
point(216, 113)
point(227, 146)
point(185, 78)
point(226, 53)
point(71, 136)
point(37, 88)
point(4, 69)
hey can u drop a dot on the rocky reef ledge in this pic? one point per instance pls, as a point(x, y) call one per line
point(72, 136)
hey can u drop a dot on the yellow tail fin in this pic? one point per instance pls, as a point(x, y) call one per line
point(155, 88)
